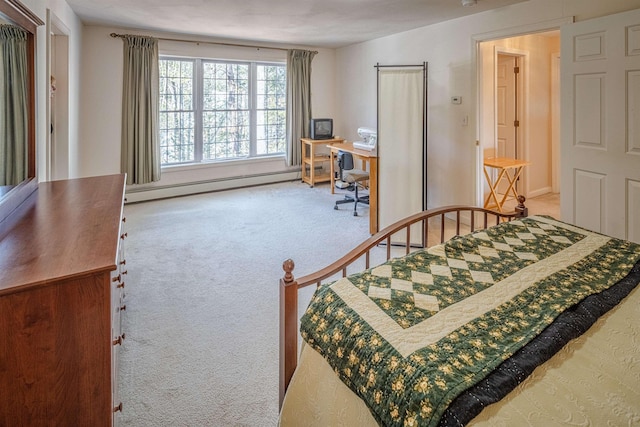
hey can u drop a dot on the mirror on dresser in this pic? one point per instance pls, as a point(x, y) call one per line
point(17, 105)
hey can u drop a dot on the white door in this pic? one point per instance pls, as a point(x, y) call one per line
point(600, 111)
point(506, 106)
point(506, 111)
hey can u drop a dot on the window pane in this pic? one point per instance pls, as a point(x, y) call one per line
point(177, 116)
point(226, 135)
point(176, 85)
point(225, 86)
point(176, 131)
point(225, 115)
point(271, 109)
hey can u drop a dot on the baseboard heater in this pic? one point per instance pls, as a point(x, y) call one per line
point(141, 194)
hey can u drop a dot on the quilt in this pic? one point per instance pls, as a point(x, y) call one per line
point(411, 335)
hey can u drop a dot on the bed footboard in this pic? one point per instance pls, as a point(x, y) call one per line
point(476, 218)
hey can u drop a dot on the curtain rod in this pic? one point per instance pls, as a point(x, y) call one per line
point(211, 42)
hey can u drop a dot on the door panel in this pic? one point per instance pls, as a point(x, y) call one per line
point(600, 110)
point(633, 207)
point(589, 112)
point(633, 107)
point(506, 102)
point(590, 188)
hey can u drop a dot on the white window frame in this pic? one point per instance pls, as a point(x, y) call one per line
point(198, 109)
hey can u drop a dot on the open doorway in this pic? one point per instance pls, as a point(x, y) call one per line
point(517, 118)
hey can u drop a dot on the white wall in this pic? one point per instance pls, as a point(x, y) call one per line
point(66, 16)
point(450, 49)
point(343, 87)
point(101, 114)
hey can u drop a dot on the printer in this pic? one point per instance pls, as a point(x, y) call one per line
point(369, 139)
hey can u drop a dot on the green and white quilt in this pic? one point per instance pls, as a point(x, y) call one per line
point(410, 335)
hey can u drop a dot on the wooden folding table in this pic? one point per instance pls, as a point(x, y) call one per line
point(509, 169)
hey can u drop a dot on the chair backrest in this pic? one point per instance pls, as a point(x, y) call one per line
point(345, 160)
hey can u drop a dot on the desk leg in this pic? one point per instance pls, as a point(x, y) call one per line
point(373, 195)
point(332, 156)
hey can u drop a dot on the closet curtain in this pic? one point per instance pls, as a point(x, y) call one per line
point(140, 155)
point(298, 102)
point(14, 112)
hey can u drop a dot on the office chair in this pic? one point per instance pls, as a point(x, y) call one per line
point(354, 178)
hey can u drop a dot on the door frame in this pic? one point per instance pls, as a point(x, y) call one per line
point(57, 140)
point(555, 122)
point(476, 71)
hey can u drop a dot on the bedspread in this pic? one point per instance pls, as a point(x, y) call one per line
point(412, 334)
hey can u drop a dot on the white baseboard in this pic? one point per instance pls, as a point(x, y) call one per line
point(539, 192)
point(154, 193)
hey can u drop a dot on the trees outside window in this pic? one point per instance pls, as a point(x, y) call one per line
point(219, 110)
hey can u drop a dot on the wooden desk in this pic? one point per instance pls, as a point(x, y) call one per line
point(503, 165)
point(369, 158)
point(311, 158)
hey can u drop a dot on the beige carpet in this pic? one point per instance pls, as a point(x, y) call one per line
point(201, 320)
point(202, 298)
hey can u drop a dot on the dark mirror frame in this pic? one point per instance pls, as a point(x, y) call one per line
point(22, 16)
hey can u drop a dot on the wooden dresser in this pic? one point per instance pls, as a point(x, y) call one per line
point(61, 291)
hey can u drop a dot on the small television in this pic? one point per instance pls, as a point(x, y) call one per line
point(321, 129)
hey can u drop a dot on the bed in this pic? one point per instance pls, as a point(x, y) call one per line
point(515, 320)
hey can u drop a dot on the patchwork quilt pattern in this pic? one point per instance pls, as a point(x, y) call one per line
point(410, 335)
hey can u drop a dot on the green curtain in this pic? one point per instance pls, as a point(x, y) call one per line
point(298, 101)
point(140, 155)
point(14, 114)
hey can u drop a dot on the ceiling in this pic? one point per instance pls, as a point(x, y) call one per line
point(318, 23)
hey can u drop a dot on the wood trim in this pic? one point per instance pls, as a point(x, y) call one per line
point(289, 285)
point(22, 16)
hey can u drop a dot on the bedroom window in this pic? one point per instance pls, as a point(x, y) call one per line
point(220, 110)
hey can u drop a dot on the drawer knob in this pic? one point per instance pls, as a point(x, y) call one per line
point(118, 408)
point(116, 279)
point(120, 285)
point(123, 308)
point(123, 262)
point(122, 236)
point(124, 272)
point(118, 341)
